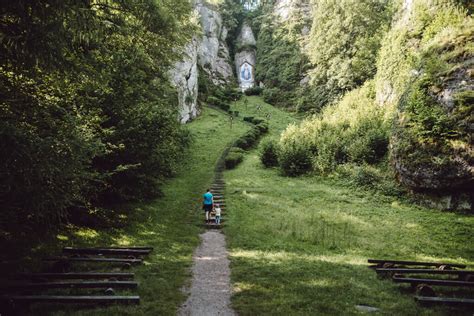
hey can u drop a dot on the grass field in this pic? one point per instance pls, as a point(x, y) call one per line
point(299, 246)
point(170, 224)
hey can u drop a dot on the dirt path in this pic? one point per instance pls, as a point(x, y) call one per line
point(210, 289)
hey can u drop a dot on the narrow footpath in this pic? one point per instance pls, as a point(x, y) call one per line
point(210, 290)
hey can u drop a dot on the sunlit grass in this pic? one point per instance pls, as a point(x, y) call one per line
point(299, 246)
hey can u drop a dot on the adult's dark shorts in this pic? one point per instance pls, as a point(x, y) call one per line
point(207, 207)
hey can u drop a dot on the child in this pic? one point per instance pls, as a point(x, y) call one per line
point(217, 209)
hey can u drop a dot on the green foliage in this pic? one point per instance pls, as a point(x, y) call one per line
point(253, 91)
point(88, 114)
point(218, 96)
point(294, 160)
point(280, 63)
point(251, 137)
point(269, 154)
point(274, 96)
point(234, 157)
point(344, 41)
point(233, 14)
point(353, 130)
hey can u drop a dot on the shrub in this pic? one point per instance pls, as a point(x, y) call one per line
point(253, 91)
point(217, 102)
point(262, 127)
point(269, 154)
point(294, 161)
point(366, 176)
point(233, 158)
point(272, 95)
point(248, 119)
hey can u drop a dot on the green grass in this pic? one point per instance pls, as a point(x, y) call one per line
point(170, 224)
point(299, 246)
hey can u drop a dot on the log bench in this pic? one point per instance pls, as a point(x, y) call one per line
point(87, 259)
point(466, 275)
point(381, 262)
point(76, 275)
point(427, 300)
point(69, 285)
point(106, 251)
point(69, 299)
point(440, 282)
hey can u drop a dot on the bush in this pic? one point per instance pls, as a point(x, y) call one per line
point(253, 91)
point(251, 137)
point(248, 119)
point(262, 127)
point(272, 96)
point(269, 154)
point(217, 102)
point(366, 176)
point(233, 158)
point(352, 130)
point(294, 161)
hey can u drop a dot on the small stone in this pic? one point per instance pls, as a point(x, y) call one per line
point(367, 309)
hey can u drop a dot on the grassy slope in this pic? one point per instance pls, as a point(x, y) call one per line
point(300, 245)
point(169, 224)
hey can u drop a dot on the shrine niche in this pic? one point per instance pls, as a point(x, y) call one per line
point(246, 75)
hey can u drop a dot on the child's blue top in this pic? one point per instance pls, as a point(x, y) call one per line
point(207, 198)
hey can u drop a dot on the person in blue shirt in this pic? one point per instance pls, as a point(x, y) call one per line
point(208, 205)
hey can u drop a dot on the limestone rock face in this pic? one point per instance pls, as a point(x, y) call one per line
point(213, 53)
point(431, 144)
point(210, 52)
point(246, 36)
point(299, 10)
point(184, 76)
point(245, 58)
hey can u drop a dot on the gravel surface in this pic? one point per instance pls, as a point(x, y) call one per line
point(210, 289)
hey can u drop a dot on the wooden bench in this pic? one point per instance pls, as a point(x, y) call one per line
point(381, 262)
point(86, 259)
point(74, 275)
point(69, 285)
point(72, 299)
point(445, 301)
point(438, 282)
point(461, 274)
point(106, 251)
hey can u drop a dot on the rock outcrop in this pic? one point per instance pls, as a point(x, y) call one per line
point(210, 53)
point(213, 53)
point(184, 77)
point(426, 76)
point(245, 58)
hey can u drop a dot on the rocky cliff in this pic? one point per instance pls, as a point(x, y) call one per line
point(425, 73)
point(207, 55)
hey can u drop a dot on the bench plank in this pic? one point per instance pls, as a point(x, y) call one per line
point(424, 271)
point(105, 251)
point(419, 263)
point(73, 275)
point(433, 282)
point(70, 285)
point(85, 259)
point(445, 300)
point(70, 299)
